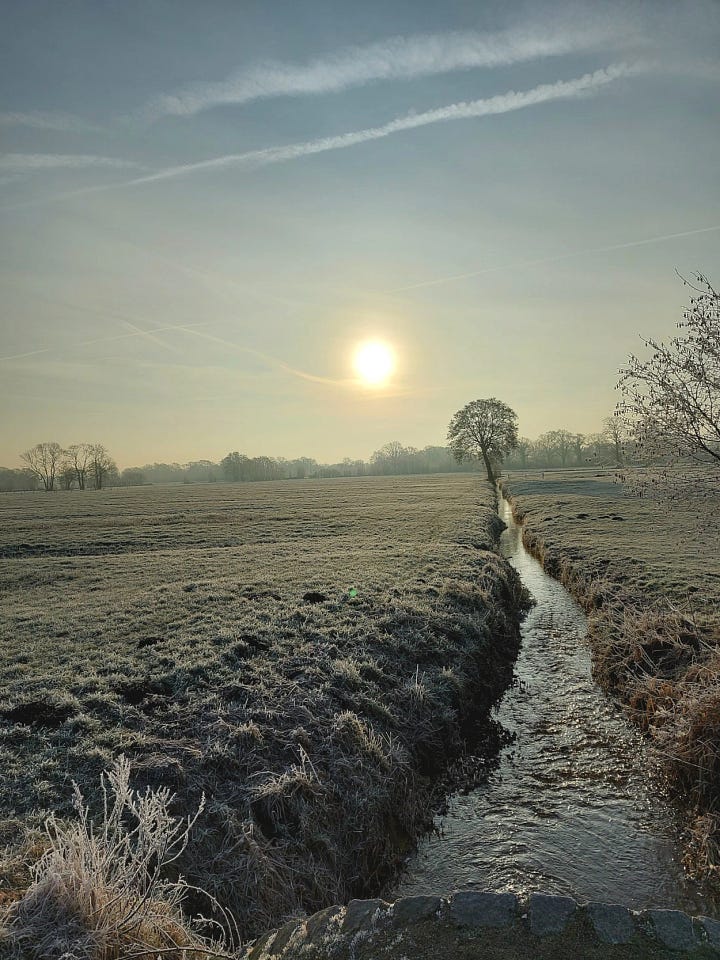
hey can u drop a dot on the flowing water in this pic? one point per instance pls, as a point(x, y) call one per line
point(572, 806)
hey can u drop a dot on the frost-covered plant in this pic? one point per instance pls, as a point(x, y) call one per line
point(101, 892)
point(670, 404)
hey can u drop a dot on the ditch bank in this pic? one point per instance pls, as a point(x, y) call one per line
point(662, 664)
point(472, 925)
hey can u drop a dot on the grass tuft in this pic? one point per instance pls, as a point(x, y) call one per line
point(100, 891)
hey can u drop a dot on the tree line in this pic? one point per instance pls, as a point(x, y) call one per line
point(50, 466)
point(610, 447)
point(668, 416)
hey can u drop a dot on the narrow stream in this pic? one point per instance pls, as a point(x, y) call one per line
point(572, 807)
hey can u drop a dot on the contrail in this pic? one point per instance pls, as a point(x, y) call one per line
point(27, 162)
point(274, 361)
point(396, 58)
point(503, 103)
point(64, 122)
point(561, 256)
point(137, 332)
point(586, 85)
point(388, 390)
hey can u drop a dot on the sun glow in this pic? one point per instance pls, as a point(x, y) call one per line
point(374, 362)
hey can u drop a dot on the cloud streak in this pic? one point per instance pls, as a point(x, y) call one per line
point(503, 103)
point(584, 86)
point(30, 162)
point(273, 361)
point(353, 383)
point(62, 122)
point(398, 58)
point(663, 238)
point(135, 331)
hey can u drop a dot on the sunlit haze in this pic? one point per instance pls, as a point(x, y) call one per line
point(374, 362)
point(208, 207)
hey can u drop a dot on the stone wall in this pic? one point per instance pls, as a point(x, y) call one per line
point(490, 926)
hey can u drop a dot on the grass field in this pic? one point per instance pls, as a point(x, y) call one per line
point(649, 574)
point(306, 653)
point(658, 552)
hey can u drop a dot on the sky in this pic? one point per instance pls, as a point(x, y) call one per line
point(206, 207)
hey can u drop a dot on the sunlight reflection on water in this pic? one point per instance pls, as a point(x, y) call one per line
point(572, 807)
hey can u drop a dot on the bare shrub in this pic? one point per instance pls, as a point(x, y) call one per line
point(100, 892)
point(670, 404)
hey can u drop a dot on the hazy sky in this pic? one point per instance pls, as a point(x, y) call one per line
point(206, 205)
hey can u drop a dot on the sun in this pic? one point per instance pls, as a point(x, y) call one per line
point(374, 362)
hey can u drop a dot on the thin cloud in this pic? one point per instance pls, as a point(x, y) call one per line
point(562, 256)
point(61, 122)
point(503, 103)
point(390, 390)
point(398, 58)
point(30, 162)
point(134, 332)
point(586, 85)
point(272, 361)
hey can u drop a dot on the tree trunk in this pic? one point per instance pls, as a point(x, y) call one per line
point(488, 467)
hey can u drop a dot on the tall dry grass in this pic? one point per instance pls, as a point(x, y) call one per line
point(101, 891)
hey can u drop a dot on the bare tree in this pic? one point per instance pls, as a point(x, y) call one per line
point(671, 402)
point(11, 479)
point(66, 477)
point(485, 430)
point(101, 464)
point(132, 477)
point(578, 442)
point(233, 466)
point(559, 444)
point(615, 433)
point(388, 459)
point(522, 455)
point(43, 462)
point(78, 457)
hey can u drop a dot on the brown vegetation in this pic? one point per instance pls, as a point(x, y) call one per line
point(650, 579)
point(304, 654)
point(99, 891)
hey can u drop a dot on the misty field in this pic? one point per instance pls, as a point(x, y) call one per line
point(308, 654)
point(649, 575)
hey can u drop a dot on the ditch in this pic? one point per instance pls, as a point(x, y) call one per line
point(573, 804)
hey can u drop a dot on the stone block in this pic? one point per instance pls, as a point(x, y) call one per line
point(362, 915)
point(473, 909)
point(317, 925)
point(261, 945)
point(285, 934)
point(612, 922)
point(712, 930)
point(673, 928)
point(549, 914)
point(411, 909)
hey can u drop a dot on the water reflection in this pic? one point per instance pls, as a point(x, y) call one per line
point(572, 806)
